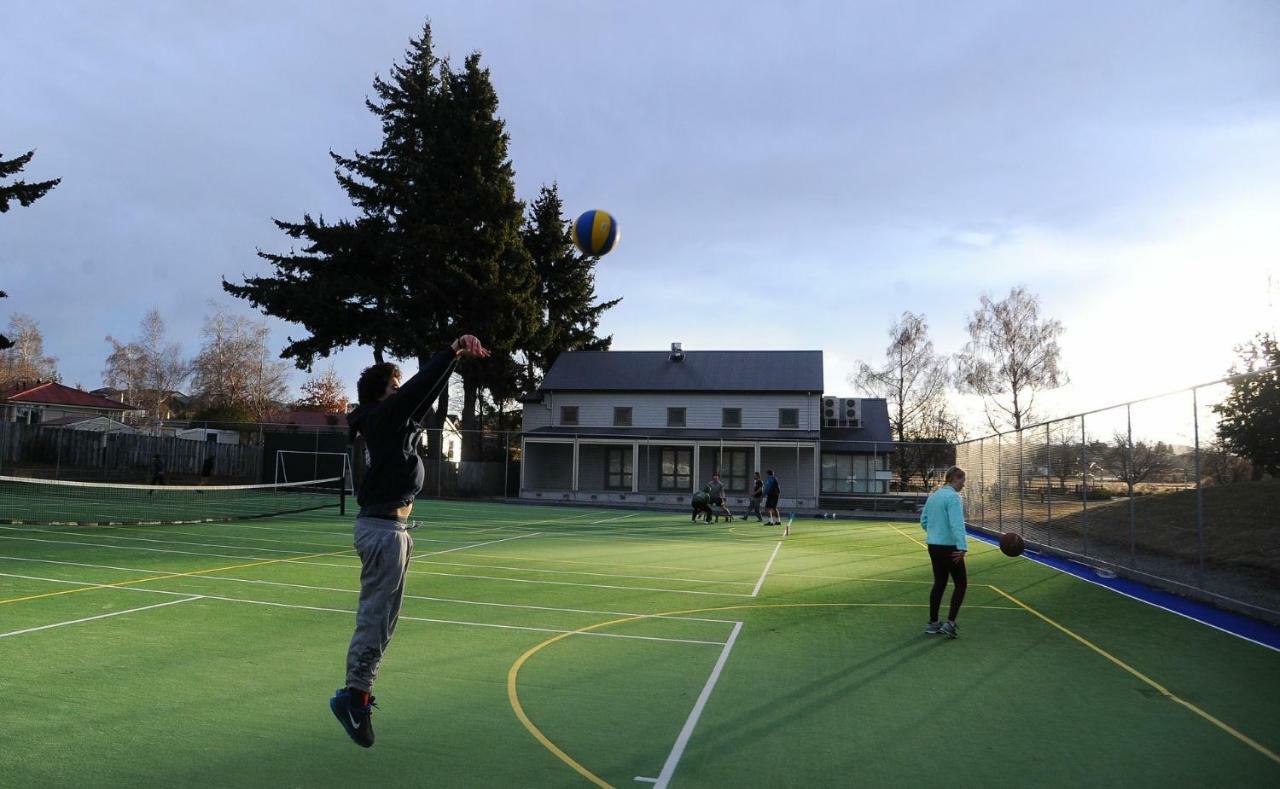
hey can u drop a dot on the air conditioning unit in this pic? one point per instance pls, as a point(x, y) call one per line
point(851, 411)
point(831, 412)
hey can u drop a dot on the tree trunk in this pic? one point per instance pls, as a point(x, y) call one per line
point(471, 445)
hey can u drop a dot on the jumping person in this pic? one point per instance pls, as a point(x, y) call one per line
point(943, 524)
point(387, 420)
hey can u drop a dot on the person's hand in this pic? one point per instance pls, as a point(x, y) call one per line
point(957, 556)
point(469, 345)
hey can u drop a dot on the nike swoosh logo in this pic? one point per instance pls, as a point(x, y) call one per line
point(354, 724)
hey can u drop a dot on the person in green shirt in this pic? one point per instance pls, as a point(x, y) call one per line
point(943, 524)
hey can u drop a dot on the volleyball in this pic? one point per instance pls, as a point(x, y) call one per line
point(595, 232)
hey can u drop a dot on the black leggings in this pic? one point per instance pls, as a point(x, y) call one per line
point(944, 565)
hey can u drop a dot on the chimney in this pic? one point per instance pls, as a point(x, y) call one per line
point(677, 353)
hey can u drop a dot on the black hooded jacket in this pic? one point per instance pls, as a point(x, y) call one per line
point(389, 427)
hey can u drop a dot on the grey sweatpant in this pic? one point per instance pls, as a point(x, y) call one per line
point(384, 547)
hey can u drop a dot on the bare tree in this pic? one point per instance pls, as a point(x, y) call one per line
point(235, 371)
point(324, 392)
point(24, 359)
point(1140, 462)
point(913, 380)
point(149, 369)
point(1011, 356)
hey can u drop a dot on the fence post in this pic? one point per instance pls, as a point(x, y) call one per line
point(1022, 493)
point(1084, 486)
point(1195, 416)
point(1048, 485)
point(999, 483)
point(506, 464)
point(1133, 517)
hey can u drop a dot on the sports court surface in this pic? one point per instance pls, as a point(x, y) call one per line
point(544, 646)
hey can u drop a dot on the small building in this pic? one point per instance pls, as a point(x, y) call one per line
point(95, 424)
point(46, 401)
point(209, 435)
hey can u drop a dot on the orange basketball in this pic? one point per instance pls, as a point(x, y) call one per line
point(1011, 544)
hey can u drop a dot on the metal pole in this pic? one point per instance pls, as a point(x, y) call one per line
point(1133, 529)
point(1084, 486)
point(1195, 416)
point(1022, 493)
point(999, 484)
point(506, 464)
point(1048, 484)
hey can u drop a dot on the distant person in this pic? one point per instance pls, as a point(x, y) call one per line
point(943, 524)
point(206, 471)
point(701, 503)
point(772, 489)
point(157, 472)
point(387, 419)
point(715, 489)
point(757, 497)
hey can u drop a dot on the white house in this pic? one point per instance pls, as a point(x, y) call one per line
point(45, 401)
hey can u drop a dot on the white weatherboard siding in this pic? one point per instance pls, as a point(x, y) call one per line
point(649, 409)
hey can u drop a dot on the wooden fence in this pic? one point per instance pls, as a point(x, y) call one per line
point(85, 454)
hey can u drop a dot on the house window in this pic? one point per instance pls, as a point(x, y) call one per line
point(622, 416)
point(677, 470)
point(852, 473)
point(675, 417)
point(617, 468)
point(732, 468)
point(788, 417)
point(568, 415)
point(731, 417)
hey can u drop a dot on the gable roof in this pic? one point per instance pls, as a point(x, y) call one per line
point(699, 371)
point(52, 393)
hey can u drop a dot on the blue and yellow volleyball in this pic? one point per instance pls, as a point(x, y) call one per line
point(595, 233)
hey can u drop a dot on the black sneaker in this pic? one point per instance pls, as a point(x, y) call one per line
point(356, 719)
point(949, 630)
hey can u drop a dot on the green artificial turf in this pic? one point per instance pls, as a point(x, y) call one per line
point(828, 682)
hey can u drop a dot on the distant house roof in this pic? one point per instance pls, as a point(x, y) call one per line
point(52, 393)
point(698, 371)
point(874, 435)
point(95, 422)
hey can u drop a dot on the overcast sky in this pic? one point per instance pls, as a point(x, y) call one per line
point(785, 175)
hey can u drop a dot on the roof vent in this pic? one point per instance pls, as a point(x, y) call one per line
point(677, 353)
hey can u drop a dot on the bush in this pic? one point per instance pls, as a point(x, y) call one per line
point(1098, 494)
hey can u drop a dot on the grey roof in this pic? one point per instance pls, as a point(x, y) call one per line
point(677, 434)
point(874, 435)
point(699, 371)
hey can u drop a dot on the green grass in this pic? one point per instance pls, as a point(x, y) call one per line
point(829, 681)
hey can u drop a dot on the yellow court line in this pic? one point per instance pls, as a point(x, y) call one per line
point(908, 536)
point(93, 585)
point(513, 674)
point(1262, 749)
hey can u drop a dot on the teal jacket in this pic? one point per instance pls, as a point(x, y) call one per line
point(943, 518)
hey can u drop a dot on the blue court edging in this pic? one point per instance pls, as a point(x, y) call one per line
point(1236, 624)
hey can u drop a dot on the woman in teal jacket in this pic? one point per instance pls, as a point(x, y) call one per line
point(943, 524)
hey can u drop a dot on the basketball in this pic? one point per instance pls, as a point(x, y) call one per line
point(1011, 544)
point(595, 233)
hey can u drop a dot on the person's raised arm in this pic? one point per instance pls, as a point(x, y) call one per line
point(425, 386)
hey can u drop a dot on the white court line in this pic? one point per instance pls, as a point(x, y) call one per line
point(619, 518)
point(760, 583)
point(99, 616)
point(187, 597)
point(642, 779)
point(479, 544)
point(669, 768)
point(259, 582)
point(585, 572)
point(138, 548)
point(529, 580)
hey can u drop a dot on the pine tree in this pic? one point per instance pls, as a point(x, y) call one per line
point(569, 318)
point(436, 250)
point(21, 191)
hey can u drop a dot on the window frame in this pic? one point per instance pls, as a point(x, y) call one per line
point(684, 416)
point(622, 478)
point(782, 422)
point(672, 481)
point(564, 411)
point(618, 411)
point(724, 417)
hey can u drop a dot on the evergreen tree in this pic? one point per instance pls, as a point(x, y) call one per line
point(1250, 415)
point(569, 318)
point(436, 250)
point(20, 191)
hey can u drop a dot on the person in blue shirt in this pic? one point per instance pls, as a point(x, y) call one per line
point(943, 524)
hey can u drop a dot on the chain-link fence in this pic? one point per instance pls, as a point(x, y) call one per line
point(1143, 490)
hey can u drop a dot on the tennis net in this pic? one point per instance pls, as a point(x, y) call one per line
point(59, 502)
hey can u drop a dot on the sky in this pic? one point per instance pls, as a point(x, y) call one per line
point(788, 175)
